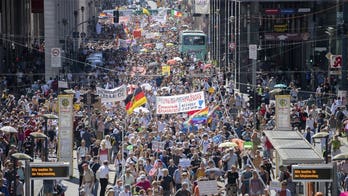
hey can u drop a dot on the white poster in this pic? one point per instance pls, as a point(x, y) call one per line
point(112, 95)
point(283, 112)
point(209, 187)
point(65, 134)
point(180, 103)
point(202, 7)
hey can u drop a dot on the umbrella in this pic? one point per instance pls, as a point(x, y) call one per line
point(239, 142)
point(339, 157)
point(173, 29)
point(9, 129)
point(149, 45)
point(276, 90)
point(320, 135)
point(165, 88)
point(209, 65)
point(280, 86)
point(153, 64)
point(69, 91)
point(142, 109)
point(171, 62)
point(146, 86)
point(21, 156)
point(144, 50)
point(177, 59)
point(215, 170)
point(38, 135)
point(227, 145)
point(169, 44)
point(50, 116)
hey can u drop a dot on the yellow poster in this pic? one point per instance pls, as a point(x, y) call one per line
point(166, 70)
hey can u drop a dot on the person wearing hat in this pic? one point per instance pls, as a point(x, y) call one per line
point(88, 179)
point(126, 191)
point(143, 183)
point(230, 159)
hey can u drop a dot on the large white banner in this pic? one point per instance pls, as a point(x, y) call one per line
point(65, 133)
point(180, 103)
point(283, 112)
point(202, 6)
point(112, 95)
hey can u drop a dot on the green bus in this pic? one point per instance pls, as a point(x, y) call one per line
point(193, 43)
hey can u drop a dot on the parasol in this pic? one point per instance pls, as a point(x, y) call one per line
point(280, 86)
point(171, 62)
point(141, 109)
point(8, 129)
point(227, 145)
point(215, 170)
point(276, 90)
point(339, 157)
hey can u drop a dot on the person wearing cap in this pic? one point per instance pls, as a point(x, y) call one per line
point(143, 183)
point(103, 174)
point(126, 191)
point(184, 190)
point(245, 179)
point(230, 159)
point(88, 179)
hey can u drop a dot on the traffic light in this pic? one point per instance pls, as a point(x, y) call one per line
point(89, 98)
point(116, 16)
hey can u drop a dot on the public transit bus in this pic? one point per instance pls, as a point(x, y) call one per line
point(193, 43)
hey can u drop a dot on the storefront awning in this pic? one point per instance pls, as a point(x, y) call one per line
point(292, 148)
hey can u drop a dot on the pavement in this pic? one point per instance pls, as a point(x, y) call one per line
point(73, 183)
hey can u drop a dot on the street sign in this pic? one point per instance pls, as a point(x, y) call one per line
point(56, 58)
point(253, 51)
point(312, 173)
point(336, 61)
point(48, 170)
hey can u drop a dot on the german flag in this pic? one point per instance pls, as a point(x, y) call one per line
point(135, 100)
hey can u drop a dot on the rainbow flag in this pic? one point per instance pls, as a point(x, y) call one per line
point(199, 117)
point(212, 113)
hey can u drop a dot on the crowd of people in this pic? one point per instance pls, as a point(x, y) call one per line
point(107, 136)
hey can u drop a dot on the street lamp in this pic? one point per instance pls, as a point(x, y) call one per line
point(38, 135)
point(330, 32)
point(21, 156)
point(324, 135)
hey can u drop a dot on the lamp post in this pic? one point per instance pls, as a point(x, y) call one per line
point(330, 32)
point(26, 158)
point(38, 135)
point(324, 135)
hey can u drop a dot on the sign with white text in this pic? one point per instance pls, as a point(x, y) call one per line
point(65, 134)
point(180, 103)
point(112, 95)
point(283, 112)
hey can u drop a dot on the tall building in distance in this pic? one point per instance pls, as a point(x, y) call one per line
point(294, 38)
point(27, 25)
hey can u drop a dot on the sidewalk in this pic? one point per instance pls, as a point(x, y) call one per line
point(73, 183)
